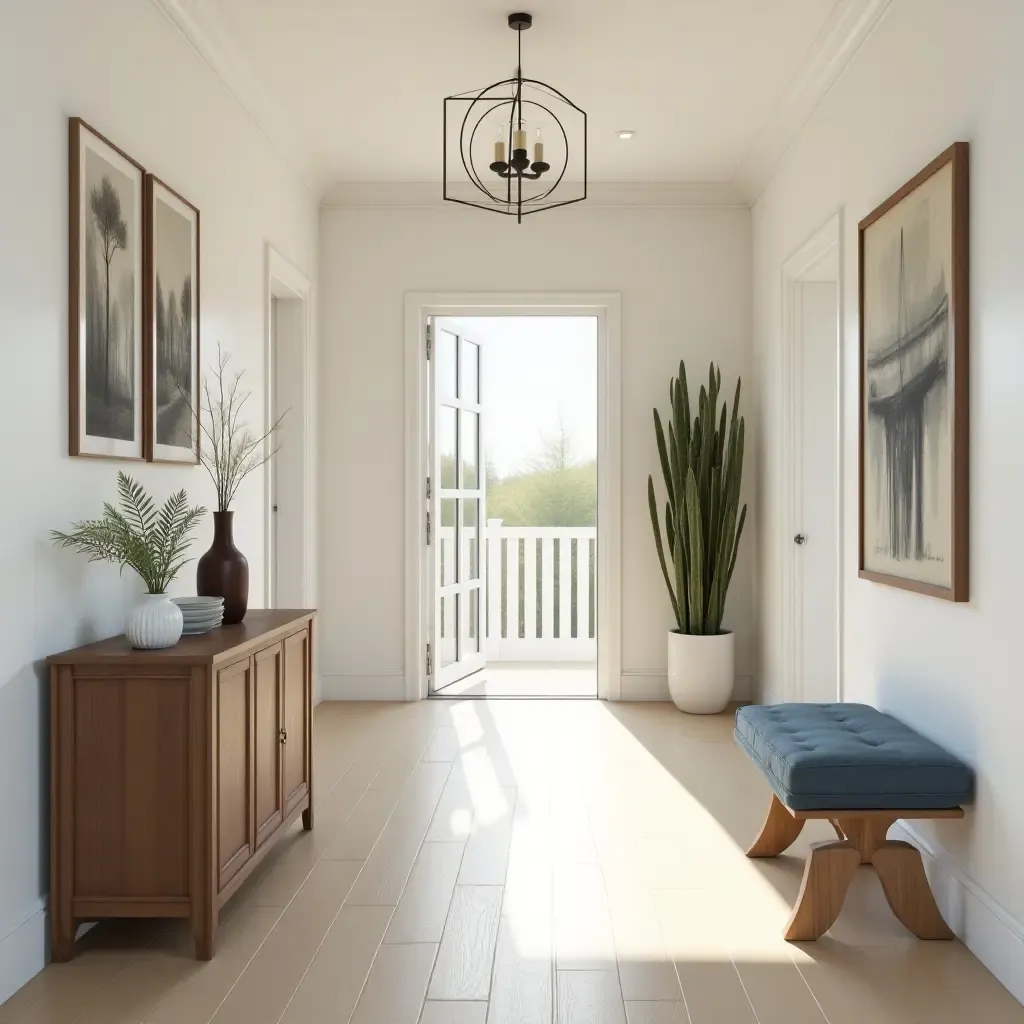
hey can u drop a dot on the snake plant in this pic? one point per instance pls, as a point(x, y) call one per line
point(703, 467)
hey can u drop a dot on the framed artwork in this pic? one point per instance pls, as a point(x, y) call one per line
point(172, 325)
point(914, 315)
point(106, 249)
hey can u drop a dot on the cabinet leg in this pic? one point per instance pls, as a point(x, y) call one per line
point(307, 816)
point(62, 939)
point(204, 940)
point(204, 934)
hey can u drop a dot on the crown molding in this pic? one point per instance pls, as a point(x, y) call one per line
point(211, 41)
point(610, 195)
point(847, 27)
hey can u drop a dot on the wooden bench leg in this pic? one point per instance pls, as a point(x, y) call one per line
point(778, 833)
point(906, 888)
point(867, 834)
point(829, 871)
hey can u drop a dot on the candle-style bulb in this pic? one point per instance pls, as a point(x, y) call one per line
point(538, 146)
point(500, 138)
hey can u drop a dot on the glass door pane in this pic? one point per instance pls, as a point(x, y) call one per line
point(448, 653)
point(470, 457)
point(470, 640)
point(470, 538)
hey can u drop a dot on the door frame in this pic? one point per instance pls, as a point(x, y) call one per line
point(607, 308)
point(799, 268)
point(285, 282)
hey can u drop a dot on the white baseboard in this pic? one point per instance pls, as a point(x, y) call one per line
point(353, 687)
point(643, 686)
point(987, 929)
point(23, 948)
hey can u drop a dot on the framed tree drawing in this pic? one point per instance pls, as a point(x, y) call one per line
point(172, 325)
point(105, 248)
point(914, 434)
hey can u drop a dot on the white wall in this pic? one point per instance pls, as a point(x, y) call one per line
point(934, 71)
point(126, 70)
point(684, 276)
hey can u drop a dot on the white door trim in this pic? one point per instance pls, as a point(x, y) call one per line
point(796, 270)
point(283, 280)
point(606, 306)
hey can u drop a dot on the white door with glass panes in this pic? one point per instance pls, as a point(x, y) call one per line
point(456, 493)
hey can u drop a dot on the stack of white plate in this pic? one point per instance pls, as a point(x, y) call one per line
point(201, 614)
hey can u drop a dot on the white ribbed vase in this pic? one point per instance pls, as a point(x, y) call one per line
point(154, 622)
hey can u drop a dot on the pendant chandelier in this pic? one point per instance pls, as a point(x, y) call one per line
point(517, 147)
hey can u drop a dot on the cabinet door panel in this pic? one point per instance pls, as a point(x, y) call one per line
point(235, 832)
point(268, 738)
point(296, 701)
point(131, 785)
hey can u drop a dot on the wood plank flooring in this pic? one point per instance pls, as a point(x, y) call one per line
point(522, 862)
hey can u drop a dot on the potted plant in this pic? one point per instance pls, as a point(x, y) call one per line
point(154, 543)
point(230, 452)
point(703, 468)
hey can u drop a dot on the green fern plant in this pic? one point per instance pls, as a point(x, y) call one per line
point(703, 467)
point(153, 542)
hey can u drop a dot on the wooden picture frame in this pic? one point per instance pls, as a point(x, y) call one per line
point(106, 246)
point(171, 305)
point(914, 436)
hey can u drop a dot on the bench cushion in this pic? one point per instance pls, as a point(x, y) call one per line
point(849, 757)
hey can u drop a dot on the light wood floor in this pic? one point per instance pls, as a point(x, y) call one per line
point(530, 862)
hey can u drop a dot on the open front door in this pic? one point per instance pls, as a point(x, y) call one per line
point(456, 492)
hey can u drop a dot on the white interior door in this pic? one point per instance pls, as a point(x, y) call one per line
point(275, 485)
point(816, 543)
point(456, 497)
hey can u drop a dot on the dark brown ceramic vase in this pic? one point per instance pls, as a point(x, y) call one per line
point(223, 570)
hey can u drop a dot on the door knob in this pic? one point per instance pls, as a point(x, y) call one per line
point(800, 538)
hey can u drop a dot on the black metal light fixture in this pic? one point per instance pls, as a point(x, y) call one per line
point(489, 134)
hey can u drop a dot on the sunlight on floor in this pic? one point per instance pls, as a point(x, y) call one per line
point(550, 862)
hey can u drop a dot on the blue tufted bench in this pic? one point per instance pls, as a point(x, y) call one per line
point(862, 770)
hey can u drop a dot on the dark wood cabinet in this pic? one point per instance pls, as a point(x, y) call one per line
point(174, 772)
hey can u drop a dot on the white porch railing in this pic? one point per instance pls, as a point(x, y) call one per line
point(541, 591)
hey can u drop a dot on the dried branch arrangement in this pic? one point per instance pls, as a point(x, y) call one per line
point(228, 448)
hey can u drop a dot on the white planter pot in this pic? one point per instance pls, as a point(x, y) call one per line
point(154, 622)
point(700, 672)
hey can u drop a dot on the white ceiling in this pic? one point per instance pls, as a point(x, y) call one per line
point(352, 90)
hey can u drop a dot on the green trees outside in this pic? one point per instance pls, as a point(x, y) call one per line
point(554, 489)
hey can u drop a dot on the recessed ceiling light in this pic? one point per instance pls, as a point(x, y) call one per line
point(626, 133)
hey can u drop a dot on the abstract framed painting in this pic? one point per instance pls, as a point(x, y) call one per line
point(106, 247)
point(914, 384)
point(172, 325)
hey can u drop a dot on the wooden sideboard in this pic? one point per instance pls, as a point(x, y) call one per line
point(174, 772)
